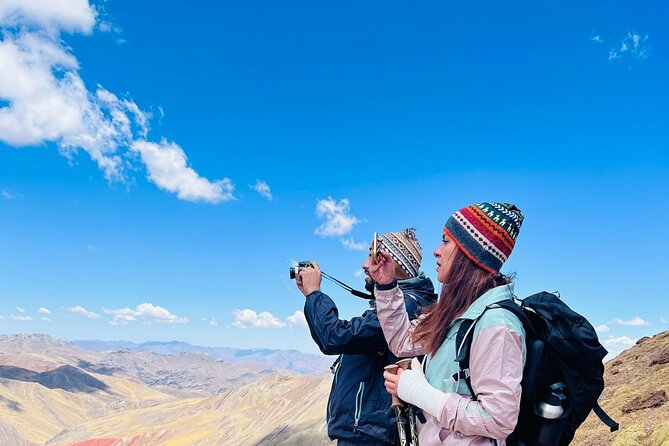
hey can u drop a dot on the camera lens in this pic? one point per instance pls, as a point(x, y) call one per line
point(293, 272)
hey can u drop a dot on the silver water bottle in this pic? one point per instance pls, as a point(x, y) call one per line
point(551, 409)
point(553, 405)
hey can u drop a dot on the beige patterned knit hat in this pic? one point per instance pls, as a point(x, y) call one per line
point(403, 247)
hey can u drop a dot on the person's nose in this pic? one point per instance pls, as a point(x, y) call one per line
point(437, 252)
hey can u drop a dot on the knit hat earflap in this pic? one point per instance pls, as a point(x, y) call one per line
point(403, 247)
point(486, 232)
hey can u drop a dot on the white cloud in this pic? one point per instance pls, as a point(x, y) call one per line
point(68, 15)
point(262, 188)
point(338, 220)
point(597, 38)
point(21, 317)
point(632, 46)
point(634, 322)
point(251, 319)
point(616, 345)
point(602, 328)
point(297, 319)
point(212, 322)
point(154, 313)
point(8, 195)
point(20, 310)
point(359, 273)
point(49, 102)
point(349, 243)
point(43, 310)
point(82, 312)
point(91, 247)
point(167, 167)
point(46, 319)
point(664, 320)
point(147, 312)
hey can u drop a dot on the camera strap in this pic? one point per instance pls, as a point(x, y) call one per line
point(348, 288)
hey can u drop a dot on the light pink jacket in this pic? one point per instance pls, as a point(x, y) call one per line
point(496, 364)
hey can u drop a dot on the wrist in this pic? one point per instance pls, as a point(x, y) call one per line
point(414, 389)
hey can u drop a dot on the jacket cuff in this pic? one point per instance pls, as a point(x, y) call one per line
point(386, 287)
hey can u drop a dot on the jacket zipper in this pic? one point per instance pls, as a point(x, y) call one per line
point(358, 404)
point(336, 374)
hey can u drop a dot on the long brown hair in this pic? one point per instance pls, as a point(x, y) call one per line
point(465, 282)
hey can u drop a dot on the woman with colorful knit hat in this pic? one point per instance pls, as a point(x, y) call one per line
point(476, 242)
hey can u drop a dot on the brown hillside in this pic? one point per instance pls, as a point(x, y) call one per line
point(636, 396)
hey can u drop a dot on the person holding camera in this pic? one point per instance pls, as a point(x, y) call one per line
point(358, 410)
point(476, 241)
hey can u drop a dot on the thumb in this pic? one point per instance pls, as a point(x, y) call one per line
point(416, 365)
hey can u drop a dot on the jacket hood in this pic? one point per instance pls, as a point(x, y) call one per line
point(421, 287)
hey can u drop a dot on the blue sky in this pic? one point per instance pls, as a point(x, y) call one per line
point(162, 164)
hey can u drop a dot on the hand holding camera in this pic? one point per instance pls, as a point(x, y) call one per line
point(308, 276)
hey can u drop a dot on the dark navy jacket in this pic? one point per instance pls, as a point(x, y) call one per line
point(359, 406)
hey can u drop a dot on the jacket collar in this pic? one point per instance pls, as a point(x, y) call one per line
point(494, 295)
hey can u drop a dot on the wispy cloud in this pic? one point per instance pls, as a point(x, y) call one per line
point(350, 243)
point(634, 322)
point(597, 38)
point(263, 189)
point(20, 310)
point(7, 194)
point(212, 322)
point(49, 102)
point(81, 311)
point(44, 310)
point(359, 273)
point(250, 319)
point(616, 344)
point(21, 317)
point(632, 46)
point(297, 319)
point(107, 25)
point(337, 220)
point(602, 328)
point(147, 313)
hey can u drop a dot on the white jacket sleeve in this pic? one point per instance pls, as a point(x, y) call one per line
point(397, 328)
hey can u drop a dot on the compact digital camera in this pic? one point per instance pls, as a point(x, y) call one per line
point(295, 270)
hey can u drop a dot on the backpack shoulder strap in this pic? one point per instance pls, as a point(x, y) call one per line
point(606, 419)
point(463, 343)
point(465, 336)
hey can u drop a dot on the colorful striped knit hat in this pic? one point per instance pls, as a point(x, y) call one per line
point(486, 232)
point(403, 247)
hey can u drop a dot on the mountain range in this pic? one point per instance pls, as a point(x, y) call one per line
point(61, 394)
point(294, 360)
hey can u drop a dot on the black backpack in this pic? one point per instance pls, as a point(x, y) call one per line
point(563, 370)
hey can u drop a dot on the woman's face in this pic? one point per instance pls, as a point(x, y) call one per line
point(444, 254)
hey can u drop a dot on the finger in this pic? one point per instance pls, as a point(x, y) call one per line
point(316, 266)
point(416, 365)
point(383, 257)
